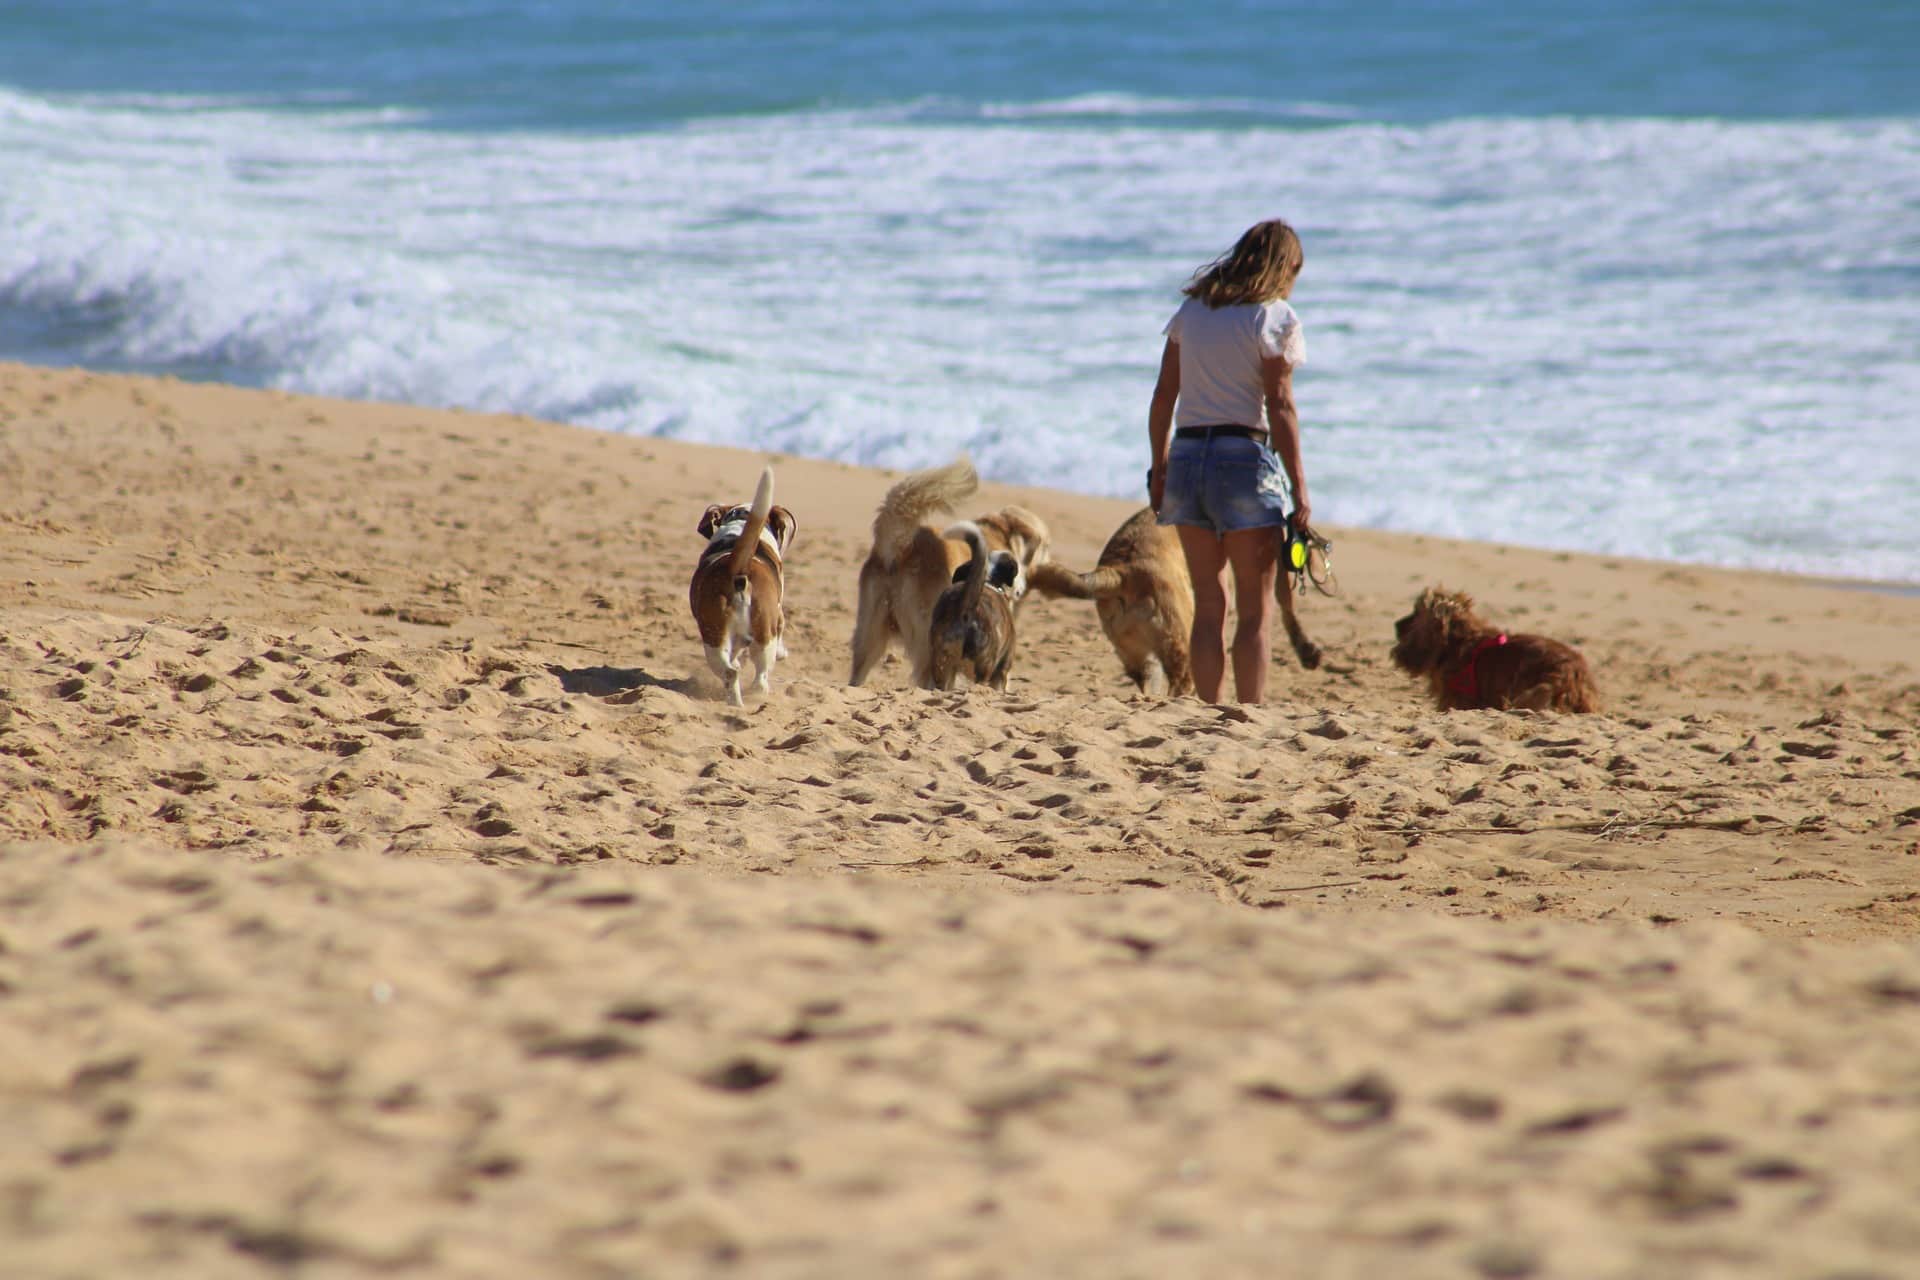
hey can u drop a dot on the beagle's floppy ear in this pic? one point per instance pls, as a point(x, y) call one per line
point(712, 519)
point(784, 526)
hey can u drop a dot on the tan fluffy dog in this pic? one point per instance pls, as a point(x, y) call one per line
point(1142, 591)
point(1469, 665)
point(971, 630)
point(1144, 597)
point(911, 563)
point(738, 584)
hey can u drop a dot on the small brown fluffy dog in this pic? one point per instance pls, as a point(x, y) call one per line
point(1468, 665)
point(738, 585)
point(1142, 591)
point(911, 563)
point(971, 629)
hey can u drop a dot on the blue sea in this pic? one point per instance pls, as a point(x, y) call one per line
point(1638, 278)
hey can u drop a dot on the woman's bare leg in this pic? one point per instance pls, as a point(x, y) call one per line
point(1207, 565)
point(1254, 555)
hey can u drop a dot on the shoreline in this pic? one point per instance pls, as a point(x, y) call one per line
point(1841, 582)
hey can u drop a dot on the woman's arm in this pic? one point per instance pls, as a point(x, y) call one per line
point(1166, 390)
point(1283, 429)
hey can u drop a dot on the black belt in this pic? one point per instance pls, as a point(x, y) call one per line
point(1213, 433)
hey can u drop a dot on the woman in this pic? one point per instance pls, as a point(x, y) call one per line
point(1222, 426)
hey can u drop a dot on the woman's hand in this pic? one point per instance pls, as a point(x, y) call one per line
point(1302, 516)
point(1157, 487)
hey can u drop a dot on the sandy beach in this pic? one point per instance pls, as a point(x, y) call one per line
point(386, 889)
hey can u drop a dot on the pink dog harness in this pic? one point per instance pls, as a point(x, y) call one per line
point(1465, 683)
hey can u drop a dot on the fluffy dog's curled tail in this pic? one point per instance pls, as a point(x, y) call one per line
point(909, 503)
point(750, 536)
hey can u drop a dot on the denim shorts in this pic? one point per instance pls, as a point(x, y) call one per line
point(1224, 484)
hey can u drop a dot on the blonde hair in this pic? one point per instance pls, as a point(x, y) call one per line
point(1261, 266)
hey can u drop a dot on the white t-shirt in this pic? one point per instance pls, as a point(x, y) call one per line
point(1220, 354)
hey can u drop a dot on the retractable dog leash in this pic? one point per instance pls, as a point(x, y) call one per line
point(1309, 559)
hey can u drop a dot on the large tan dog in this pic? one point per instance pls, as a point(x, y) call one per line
point(1468, 665)
point(971, 631)
point(1144, 596)
point(911, 563)
point(738, 587)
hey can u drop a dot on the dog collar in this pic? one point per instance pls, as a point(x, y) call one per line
point(1465, 683)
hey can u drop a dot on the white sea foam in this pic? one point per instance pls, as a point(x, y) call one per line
point(1121, 106)
point(1682, 340)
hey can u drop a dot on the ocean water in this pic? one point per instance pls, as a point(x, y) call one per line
point(1643, 281)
